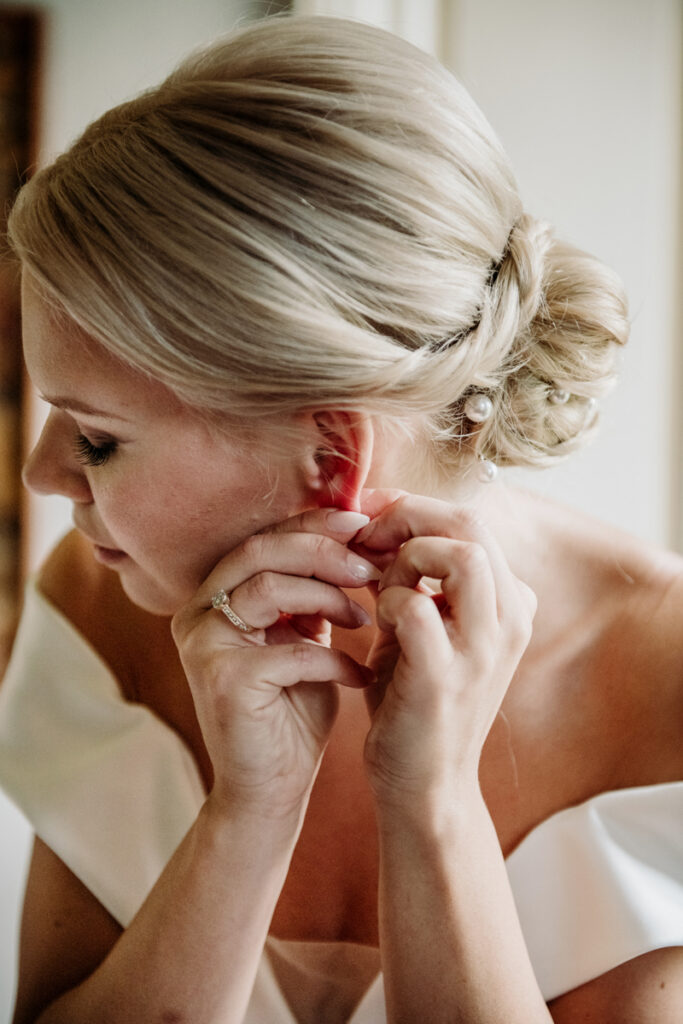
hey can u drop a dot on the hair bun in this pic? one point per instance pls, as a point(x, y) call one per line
point(554, 317)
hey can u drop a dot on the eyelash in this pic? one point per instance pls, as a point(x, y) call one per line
point(90, 454)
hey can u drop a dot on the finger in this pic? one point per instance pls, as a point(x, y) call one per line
point(376, 500)
point(263, 598)
point(331, 521)
point(380, 559)
point(417, 623)
point(529, 599)
point(298, 554)
point(311, 627)
point(286, 665)
point(467, 581)
point(338, 523)
point(413, 516)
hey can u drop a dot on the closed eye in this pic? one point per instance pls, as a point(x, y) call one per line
point(90, 454)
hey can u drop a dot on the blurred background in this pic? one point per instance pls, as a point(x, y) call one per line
point(586, 96)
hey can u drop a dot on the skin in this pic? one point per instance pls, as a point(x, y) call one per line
point(279, 744)
point(142, 503)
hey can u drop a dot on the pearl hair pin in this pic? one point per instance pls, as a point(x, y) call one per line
point(558, 396)
point(478, 408)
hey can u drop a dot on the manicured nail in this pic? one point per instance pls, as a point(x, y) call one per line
point(346, 522)
point(364, 619)
point(365, 532)
point(362, 569)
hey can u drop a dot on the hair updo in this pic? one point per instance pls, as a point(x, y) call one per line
point(314, 213)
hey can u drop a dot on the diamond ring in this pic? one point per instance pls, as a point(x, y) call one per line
point(221, 603)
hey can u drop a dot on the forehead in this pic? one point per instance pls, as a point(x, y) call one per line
point(63, 362)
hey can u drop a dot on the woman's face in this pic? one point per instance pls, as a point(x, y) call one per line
point(160, 494)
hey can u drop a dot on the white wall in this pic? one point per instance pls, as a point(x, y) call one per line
point(586, 97)
point(96, 54)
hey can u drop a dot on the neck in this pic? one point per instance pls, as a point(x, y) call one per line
point(511, 515)
point(533, 534)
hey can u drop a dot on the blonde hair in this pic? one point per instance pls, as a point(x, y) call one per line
point(313, 213)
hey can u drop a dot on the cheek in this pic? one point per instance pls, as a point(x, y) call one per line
point(177, 514)
point(136, 510)
point(188, 520)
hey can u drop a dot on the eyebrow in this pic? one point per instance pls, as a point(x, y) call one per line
point(72, 405)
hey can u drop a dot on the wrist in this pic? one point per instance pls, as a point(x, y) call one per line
point(269, 826)
point(443, 810)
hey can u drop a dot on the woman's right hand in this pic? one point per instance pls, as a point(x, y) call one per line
point(266, 700)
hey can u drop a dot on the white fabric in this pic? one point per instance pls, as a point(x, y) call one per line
point(112, 790)
point(105, 783)
point(268, 1004)
point(598, 884)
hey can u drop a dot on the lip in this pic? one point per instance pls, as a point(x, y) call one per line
point(108, 556)
point(104, 554)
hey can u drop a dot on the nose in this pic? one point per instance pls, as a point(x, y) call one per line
point(52, 466)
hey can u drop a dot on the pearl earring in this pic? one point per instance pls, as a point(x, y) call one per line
point(478, 408)
point(487, 471)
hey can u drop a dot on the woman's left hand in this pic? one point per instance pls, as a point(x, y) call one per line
point(446, 653)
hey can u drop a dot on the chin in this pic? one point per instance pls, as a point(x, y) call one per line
point(149, 596)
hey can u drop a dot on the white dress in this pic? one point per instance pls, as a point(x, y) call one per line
point(113, 790)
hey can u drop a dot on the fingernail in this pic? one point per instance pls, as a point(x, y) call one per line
point(361, 615)
point(362, 569)
point(346, 522)
point(365, 532)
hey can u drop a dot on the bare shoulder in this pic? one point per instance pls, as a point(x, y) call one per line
point(648, 616)
point(616, 619)
point(136, 645)
point(640, 660)
point(91, 597)
point(75, 582)
point(632, 590)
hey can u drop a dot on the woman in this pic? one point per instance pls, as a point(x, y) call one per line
point(290, 318)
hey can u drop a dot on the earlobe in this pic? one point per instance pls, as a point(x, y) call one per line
point(338, 465)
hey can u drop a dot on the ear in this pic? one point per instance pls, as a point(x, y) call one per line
point(339, 459)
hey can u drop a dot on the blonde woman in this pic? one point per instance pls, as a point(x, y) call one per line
point(314, 718)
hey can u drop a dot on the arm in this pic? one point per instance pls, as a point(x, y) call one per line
point(466, 943)
point(65, 934)
point(452, 947)
point(647, 990)
point(191, 952)
point(265, 704)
